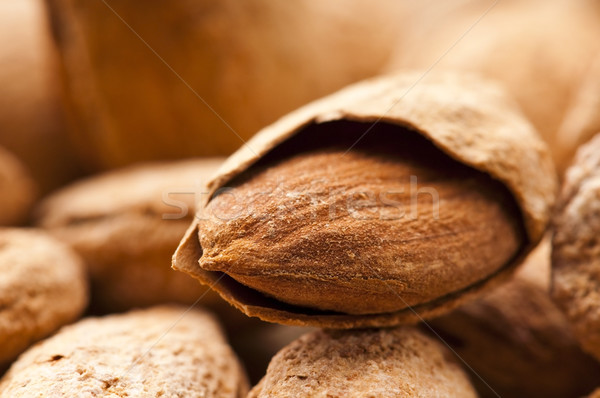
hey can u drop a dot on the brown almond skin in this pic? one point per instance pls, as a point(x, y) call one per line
point(319, 232)
point(386, 363)
point(516, 340)
point(576, 247)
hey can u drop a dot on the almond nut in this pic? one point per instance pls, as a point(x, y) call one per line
point(289, 260)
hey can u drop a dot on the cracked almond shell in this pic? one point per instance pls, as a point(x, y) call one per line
point(465, 119)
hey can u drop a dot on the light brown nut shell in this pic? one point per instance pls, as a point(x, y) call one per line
point(399, 362)
point(220, 69)
point(162, 351)
point(42, 287)
point(576, 247)
point(467, 118)
point(17, 190)
point(517, 342)
point(126, 224)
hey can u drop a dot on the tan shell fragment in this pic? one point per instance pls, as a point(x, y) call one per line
point(126, 224)
point(42, 287)
point(576, 247)
point(466, 118)
point(382, 363)
point(517, 342)
point(162, 351)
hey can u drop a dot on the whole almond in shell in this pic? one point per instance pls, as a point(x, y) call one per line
point(297, 229)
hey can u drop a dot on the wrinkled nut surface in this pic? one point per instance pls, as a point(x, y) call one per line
point(17, 188)
point(346, 231)
point(576, 247)
point(297, 229)
point(399, 362)
point(512, 336)
point(131, 355)
point(126, 224)
point(42, 287)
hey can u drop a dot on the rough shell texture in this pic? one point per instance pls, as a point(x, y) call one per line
point(42, 287)
point(467, 118)
point(539, 50)
point(159, 352)
point(576, 247)
point(383, 363)
point(232, 68)
point(32, 120)
point(126, 224)
point(516, 340)
point(17, 188)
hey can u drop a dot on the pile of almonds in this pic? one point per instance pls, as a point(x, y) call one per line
point(300, 199)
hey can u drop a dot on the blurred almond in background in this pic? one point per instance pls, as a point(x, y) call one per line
point(540, 50)
point(183, 78)
point(32, 122)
